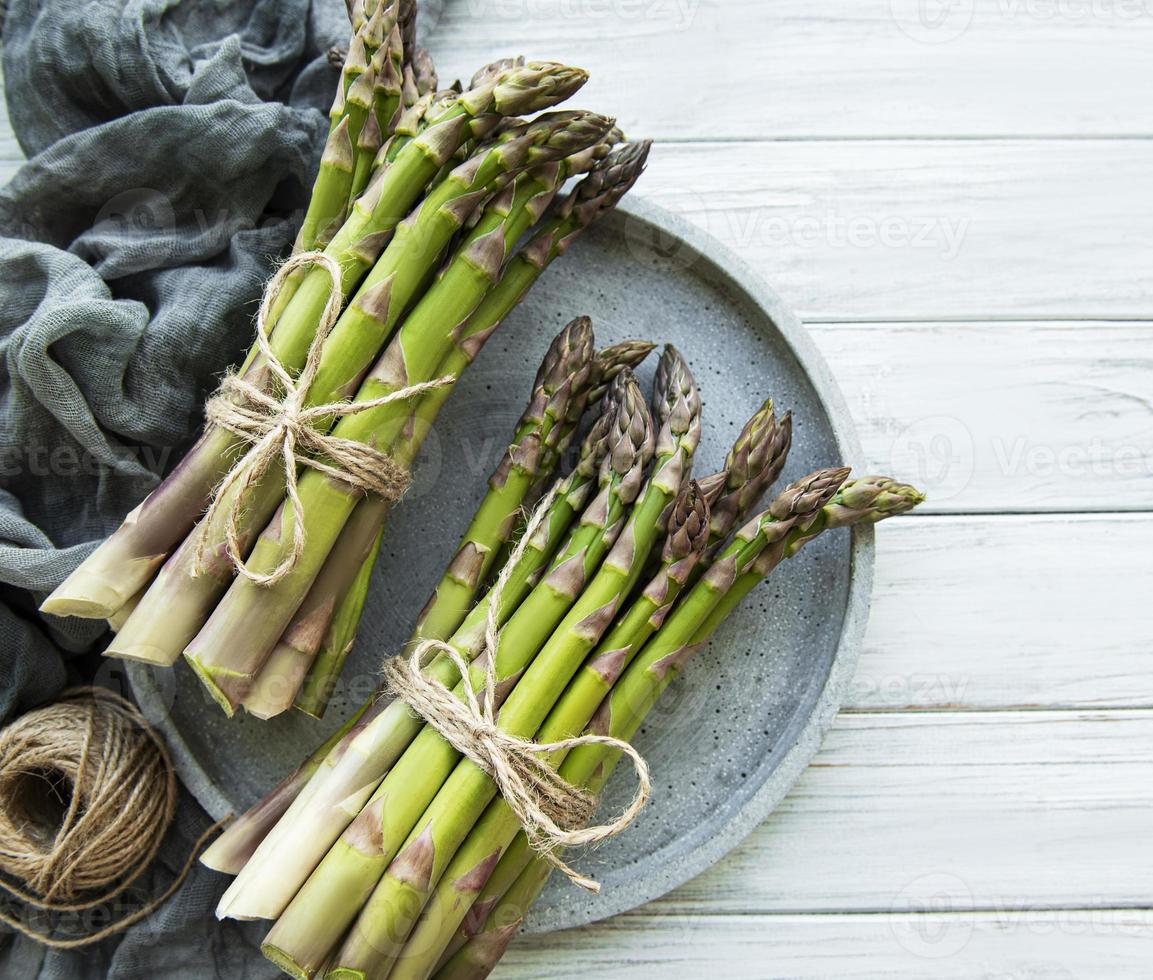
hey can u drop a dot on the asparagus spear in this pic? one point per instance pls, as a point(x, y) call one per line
point(329, 202)
point(305, 835)
point(868, 500)
point(319, 682)
point(610, 361)
point(335, 189)
point(608, 364)
point(129, 557)
point(560, 381)
point(752, 466)
point(176, 608)
point(388, 96)
point(233, 848)
point(350, 869)
point(864, 501)
point(478, 957)
point(278, 681)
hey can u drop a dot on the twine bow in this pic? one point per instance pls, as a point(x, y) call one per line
point(281, 426)
point(553, 812)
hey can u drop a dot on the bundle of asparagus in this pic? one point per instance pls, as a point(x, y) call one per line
point(388, 853)
point(419, 210)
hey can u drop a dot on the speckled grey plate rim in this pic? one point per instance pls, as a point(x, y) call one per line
point(700, 248)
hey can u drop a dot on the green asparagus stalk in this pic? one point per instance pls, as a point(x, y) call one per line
point(235, 846)
point(464, 860)
point(319, 683)
point(329, 202)
point(479, 929)
point(124, 562)
point(752, 466)
point(610, 361)
point(303, 837)
point(478, 956)
point(561, 380)
point(336, 190)
point(388, 98)
point(275, 687)
point(368, 143)
point(324, 672)
point(301, 939)
point(337, 187)
point(411, 122)
point(186, 593)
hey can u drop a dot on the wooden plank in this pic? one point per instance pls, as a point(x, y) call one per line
point(1003, 416)
point(984, 810)
point(1009, 611)
point(746, 69)
point(928, 230)
point(1010, 943)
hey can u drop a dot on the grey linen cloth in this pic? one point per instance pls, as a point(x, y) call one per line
point(171, 145)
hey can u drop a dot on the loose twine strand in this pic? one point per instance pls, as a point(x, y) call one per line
point(281, 426)
point(553, 812)
point(112, 775)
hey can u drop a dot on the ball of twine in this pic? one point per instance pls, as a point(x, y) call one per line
point(87, 792)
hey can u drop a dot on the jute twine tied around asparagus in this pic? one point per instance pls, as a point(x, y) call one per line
point(87, 792)
point(553, 812)
point(275, 427)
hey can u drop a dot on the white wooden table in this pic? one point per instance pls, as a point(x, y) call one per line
point(957, 197)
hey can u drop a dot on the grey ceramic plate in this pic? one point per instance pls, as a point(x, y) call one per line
point(730, 738)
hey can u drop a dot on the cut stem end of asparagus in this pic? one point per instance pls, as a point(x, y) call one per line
point(208, 677)
point(157, 656)
point(283, 961)
point(99, 603)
